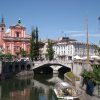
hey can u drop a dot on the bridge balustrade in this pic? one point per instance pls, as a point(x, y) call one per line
point(59, 62)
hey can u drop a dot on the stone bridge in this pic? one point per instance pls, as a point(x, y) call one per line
point(11, 68)
point(55, 65)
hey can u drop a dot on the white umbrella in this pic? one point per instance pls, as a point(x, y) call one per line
point(84, 58)
point(95, 57)
point(77, 57)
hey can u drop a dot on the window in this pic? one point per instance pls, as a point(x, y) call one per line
point(17, 34)
point(7, 47)
point(16, 48)
point(69, 57)
point(2, 29)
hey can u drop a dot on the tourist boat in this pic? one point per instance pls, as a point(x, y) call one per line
point(64, 91)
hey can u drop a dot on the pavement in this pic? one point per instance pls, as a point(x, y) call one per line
point(84, 95)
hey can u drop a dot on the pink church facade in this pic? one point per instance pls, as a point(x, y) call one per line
point(14, 39)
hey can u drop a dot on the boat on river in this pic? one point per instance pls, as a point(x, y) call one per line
point(65, 91)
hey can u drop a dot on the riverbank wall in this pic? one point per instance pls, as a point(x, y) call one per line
point(10, 69)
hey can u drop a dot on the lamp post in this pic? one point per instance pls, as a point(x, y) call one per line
point(99, 27)
point(99, 22)
point(87, 34)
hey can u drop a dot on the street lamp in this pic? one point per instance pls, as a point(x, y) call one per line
point(87, 41)
point(99, 21)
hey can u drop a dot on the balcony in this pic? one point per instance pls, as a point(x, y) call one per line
point(21, 39)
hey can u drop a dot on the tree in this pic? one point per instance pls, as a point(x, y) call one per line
point(22, 52)
point(36, 45)
point(50, 52)
point(92, 75)
point(32, 45)
point(96, 71)
point(34, 48)
point(99, 50)
point(8, 55)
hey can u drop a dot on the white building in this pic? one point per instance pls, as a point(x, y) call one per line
point(66, 49)
point(43, 50)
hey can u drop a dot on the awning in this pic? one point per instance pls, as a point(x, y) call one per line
point(77, 57)
point(95, 57)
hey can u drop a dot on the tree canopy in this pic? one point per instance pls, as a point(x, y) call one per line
point(50, 52)
point(92, 75)
point(23, 52)
point(34, 45)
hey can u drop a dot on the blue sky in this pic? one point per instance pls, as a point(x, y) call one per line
point(55, 18)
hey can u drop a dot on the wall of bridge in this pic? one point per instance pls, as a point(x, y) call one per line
point(8, 69)
point(75, 67)
point(58, 63)
point(12, 68)
point(57, 67)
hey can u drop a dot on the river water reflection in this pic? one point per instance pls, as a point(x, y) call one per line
point(39, 87)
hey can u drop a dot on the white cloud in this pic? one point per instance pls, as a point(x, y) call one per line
point(94, 35)
point(77, 35)
point(73, 32)
point(80, 34)
point(84, 34)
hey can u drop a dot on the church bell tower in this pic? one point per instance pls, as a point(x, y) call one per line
point(2, 26)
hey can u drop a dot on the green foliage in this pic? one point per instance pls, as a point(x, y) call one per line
point(34, 45)
point(72, 76)
point(23, 52)
point(96, 71)
point(92, 75)
point(50, 52)
point(87, 74)
point(98, 50)
point(8, 55)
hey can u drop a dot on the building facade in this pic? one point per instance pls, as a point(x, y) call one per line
point(66, 50)
point(14, 39)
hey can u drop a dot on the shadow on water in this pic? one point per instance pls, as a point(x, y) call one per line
point(37, 87)
point(28, 88)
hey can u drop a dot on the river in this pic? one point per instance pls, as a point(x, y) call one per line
point(38, 87)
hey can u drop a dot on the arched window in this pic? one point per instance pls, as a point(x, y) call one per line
point(17, 34)
point(2, 29)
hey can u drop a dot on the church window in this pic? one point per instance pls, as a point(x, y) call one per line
point(17, 34)
point(7, 47)
point(2, 29)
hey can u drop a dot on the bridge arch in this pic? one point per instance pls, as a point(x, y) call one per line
point(53, 67)
point(10, 67)
point(28, 67)
point(59, 68)
point(64, 69)
point(22, 67)
point(43, 69)
point(17, 68)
